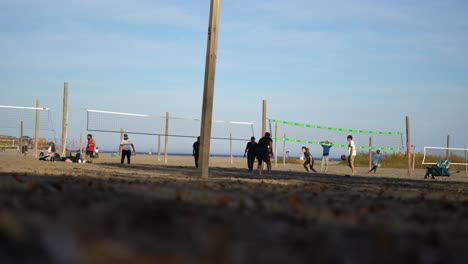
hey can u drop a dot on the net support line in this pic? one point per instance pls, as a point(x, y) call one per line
point(162, 134)
point(24, 107)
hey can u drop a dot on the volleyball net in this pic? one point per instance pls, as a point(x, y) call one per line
point(11, 118)
point(185, 129)
point(301, 134)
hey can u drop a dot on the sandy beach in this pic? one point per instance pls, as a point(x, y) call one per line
point(151, 212)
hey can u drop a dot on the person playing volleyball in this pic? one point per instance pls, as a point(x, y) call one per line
point(264, 150)
point(352, 154)
point(309, 160)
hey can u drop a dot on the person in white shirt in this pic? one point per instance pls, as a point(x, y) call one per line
point(125, 149)
point(352, 153)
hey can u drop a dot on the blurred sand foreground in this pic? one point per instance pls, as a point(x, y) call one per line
point(148, 212)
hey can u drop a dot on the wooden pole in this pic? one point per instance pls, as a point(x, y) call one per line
point(370, 152)
point(36, 132)
point(121, 134)
point(414, 158)
point(65, 119)
point(284, 150)
point(447, 156)
point(264, 117)
point(159, 147)
point(208, 89)
point(276, 145)
point(408, 145)
point(81, 142)
point(230, 147)
point(21, 137)
point(166, 139)
point(466, 160)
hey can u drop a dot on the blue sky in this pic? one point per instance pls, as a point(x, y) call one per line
point(357, 64)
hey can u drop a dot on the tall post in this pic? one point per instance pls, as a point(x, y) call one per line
point(208, 89)
point(65, 119)
point(370, 152)
point(276, 145)
point(81, 142)
point(166, 139)
point(447, 155)
point(36, 132)
point(408, 144)
point(284, 150)
point(264, 117)
point(21, 137)
point(121, 134)
point(159, 147)
point(466, 161)
point(230, 147)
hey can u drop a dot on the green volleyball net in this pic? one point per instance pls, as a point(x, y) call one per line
point(297, 134)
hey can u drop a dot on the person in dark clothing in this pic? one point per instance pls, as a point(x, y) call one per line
point(308, 159)
point(196, 151)
point(250, 151)
point(264, 151)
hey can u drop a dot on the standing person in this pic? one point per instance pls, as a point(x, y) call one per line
point(250, 151)
point(326, 145)
point(263, 152)
point(375, 161)
point(90, 148)
point(125, 149)
point(308, 159)
point(352, 154)
point(196, 151)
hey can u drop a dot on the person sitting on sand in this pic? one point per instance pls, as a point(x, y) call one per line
point(308, 159)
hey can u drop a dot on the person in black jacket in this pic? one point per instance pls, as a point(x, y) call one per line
point(196, 151)
point(264, 151)
point(250, 151)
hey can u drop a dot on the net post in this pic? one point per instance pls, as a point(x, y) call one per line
point(466, 161)
point(447, 156)
point(21, 137)
point(65, 119)
point(208, 89)
point(284, 150)
point(230, 147)
point(36, 130)
point(81, 142)
point(121, 134)
point(408, 144)
point(264, 117)
point(276, 145)
point(159, 147)
point(370, 152)
point(166, 139)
